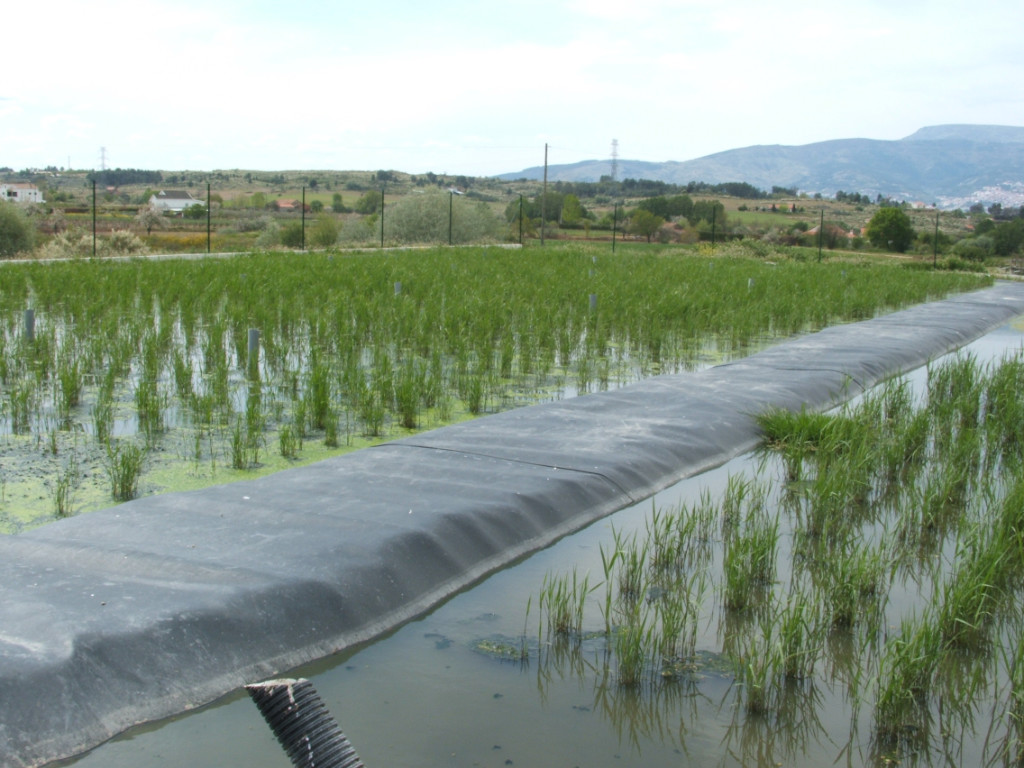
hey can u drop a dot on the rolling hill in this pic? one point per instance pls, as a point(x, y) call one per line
point(950, 165)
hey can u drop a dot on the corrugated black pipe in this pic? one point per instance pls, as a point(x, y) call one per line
point(300, 721)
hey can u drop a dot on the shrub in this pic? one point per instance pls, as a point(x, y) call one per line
point(67, 245)
point(425, 219)
point(122, 243)
point(16, 231)
point(974, 248)
point(324, 232)
point(292, 235)
point(270, 237)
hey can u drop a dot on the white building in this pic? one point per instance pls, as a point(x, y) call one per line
point(18, 192)
point(173, 201)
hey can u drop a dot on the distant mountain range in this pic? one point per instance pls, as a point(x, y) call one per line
point(952, 166)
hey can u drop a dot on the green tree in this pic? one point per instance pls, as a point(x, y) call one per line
point(710, 211)
point(324, 232)
point(572, 211)
point(291, 234)
point(195, 211)
point(891, 229)
point(16, 231)
point(369, 202)
point(317, 206)
point(337, 204)
point(644, 223)
point(1007, 237)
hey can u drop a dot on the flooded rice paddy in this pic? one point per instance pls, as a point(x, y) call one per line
point(453, 688)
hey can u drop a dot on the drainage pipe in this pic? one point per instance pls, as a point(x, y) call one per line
point(300, 721)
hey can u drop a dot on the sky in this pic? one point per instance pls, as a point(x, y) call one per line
point(478, 88)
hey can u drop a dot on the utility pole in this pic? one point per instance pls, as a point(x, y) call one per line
point(615, 159)
point(544, 196)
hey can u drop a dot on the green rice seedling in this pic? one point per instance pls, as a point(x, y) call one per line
point(905, 678)
point(475, 392)
point(331, 430)
point(202, 406)
point(842, 597)
point(408, 388)
point(562, 602)
point(288, 441)
point(125, 462)
point(318, 392)
point(65, 485)
point(906, 449)
point(632, 643)
point(735, 502)
point(71, 384)
point(969, 600)
point(677, 612)
point(103, 418)
point(149, 408)
point(1013, 746)
point(756, 670)
point(183, 374)
point(799, 636)
point(372, 413)
point(662, 544)
point(584, 374)
point(749, 561)
point(1004, 418)
point(22, 404)
point(632, 569)
point(796, 434)
point(608, 561)
point(246, 441)
point(239, 457)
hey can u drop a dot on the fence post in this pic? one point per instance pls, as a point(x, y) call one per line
point(94, 218)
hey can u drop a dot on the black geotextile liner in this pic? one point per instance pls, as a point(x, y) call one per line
point(166, 603)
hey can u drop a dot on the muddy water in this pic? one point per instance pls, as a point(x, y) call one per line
point(425, 696)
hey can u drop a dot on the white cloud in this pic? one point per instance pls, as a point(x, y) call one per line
point(460, 86)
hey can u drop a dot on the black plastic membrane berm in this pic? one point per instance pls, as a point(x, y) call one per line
point(166, 603)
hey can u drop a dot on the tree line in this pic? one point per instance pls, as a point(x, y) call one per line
point(119, 177)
